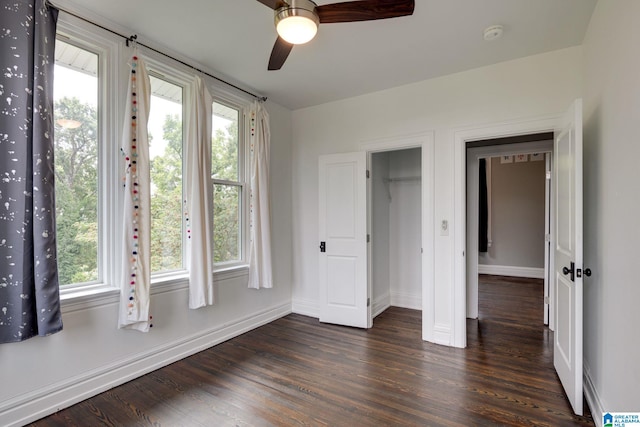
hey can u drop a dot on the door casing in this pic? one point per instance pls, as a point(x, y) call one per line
point(461, 137)
point(424, 141)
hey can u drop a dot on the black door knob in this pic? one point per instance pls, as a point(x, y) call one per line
point(587, 272)
point(570, 271)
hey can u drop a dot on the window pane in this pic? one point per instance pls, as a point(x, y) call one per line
point(224, 147)
point(226, 223)
point(75, 95)
point(165, 152)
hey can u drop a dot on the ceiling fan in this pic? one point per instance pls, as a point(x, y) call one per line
point(297, 20)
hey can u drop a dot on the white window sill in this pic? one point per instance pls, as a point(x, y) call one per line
point(226, 273)
point(84, 297)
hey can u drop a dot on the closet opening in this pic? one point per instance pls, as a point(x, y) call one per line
point(395, 224)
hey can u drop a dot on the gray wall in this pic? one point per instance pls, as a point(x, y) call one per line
point(612, 205)
point(517, 215)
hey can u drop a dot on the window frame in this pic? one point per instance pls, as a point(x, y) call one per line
point(240, 105)
point(78, 33)
point(163, 71)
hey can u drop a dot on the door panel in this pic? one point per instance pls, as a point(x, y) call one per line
point(342, 273)
point(564, 336)
point(567, 349)
point(343, 228)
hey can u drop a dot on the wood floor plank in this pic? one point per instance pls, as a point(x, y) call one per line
point(296, 371)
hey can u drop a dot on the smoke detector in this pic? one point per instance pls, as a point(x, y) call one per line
point(493, 32)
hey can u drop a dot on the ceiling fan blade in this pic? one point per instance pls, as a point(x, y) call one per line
point(279, 54)
point(273, 4)
point(364, 10)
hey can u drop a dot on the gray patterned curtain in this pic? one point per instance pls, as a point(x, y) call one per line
point(29, 297)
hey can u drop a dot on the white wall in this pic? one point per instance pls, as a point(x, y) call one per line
point(530, 87)
point(380, 226)
point(612, 206)
point(90, 355)
point(405, 228)
point(517, 216)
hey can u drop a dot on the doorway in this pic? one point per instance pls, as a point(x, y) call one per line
point(510, 235)
point(395, 210)
point(344, 206)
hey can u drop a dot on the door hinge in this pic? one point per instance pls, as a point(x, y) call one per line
point(548, 175)
point(368, 238)
point(368, 302)
point(547, 237)
point(367, 173)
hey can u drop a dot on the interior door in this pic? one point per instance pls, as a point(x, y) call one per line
point(568, 270)
point(548, 264)
point(343, 240)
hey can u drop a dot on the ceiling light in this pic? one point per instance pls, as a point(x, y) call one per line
point(69, 124)
point(297, 23)
point(493, 32)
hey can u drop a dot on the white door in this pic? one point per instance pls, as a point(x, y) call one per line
point(568, 270)
point(548, 259)
point(343, 240)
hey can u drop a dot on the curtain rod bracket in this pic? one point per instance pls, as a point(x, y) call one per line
point(133, 38)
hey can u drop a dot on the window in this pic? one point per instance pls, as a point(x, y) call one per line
point(227, 172)
point(88, 101)
point(165, 152)
point(76, 163)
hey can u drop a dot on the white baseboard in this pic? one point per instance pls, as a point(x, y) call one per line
point(405, 300)
point(593, 398)
point(33, 406)
point(507, 270)
point(442, 334)
point(306, 307)
point(380, 304)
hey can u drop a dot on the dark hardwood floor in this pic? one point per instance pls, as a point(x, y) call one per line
point(296, 371)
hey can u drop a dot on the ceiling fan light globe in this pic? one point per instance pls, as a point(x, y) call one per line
point(297, 29)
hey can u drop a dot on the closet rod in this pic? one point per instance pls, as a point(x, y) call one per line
point(408, 178)
point(134, 37)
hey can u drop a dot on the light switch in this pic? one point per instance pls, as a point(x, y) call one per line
point(444, 228)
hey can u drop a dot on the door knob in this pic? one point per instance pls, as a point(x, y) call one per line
point(570, 271)
point(587, 272)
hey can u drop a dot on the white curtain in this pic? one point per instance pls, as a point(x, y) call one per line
point(198, 201)
point(136, 238)
point(260, 269)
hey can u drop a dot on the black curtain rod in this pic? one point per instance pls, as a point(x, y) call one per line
point(134, 38)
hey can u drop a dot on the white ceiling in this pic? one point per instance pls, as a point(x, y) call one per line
point(233, 38)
